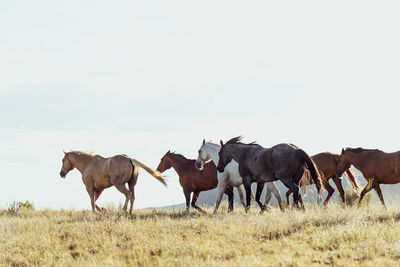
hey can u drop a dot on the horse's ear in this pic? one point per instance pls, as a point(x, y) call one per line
point(169, 151)
point(204, 141)
point(222, 143)
point(64, 152)
point(342, 150)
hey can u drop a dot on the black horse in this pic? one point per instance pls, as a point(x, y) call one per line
point(284, 162)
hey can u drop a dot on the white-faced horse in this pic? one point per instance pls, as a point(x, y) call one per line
point(230, 176)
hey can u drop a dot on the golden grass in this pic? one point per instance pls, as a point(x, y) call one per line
point(368, 236)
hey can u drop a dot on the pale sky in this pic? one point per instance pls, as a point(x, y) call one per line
point(143, 77)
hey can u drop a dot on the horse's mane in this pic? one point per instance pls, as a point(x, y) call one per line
point(236, 140)
point(359, 150)
point(84, 153)
point(211, 143)
point(177, 155)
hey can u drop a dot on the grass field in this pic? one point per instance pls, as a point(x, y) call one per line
point(369, 236)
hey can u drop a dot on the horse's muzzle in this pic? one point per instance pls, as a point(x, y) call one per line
point(198, 165)
point(62, 174)
point(220, 168)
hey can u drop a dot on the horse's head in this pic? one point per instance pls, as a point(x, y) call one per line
point(67, 165)
point(343, 164)
point(203, 157)
point(165, 164)
point(224, 157)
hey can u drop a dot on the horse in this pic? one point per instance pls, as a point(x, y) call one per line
point(191, 179)
point(326, 164)
point(376, 166)
point(99, 173)
point(230, 176)
point(284, 162)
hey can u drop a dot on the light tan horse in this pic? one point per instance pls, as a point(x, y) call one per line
point(99, 173)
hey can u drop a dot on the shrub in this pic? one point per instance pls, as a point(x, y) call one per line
point(352, 198)
point(17, 205)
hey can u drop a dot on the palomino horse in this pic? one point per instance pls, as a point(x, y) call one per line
point(192, 179)
point(230, 176)
point(99, 173)
point(326, 164)
point(282, 162)
point(376, 166)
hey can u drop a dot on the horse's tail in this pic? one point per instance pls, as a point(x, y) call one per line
point(353, 181)
point(313, 170)
point(152, 172)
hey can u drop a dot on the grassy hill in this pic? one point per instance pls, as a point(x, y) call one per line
point(368, 236)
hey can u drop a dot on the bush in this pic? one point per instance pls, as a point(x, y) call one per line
point(352, 198)
point(17, 205)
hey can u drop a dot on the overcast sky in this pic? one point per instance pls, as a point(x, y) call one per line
point(143, 77)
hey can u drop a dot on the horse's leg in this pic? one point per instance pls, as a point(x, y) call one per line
point(247, 187)
point(221, 188)
point(97, 194)
point(268, 196)
point(132, 184)
point(301, 201)
point(330, 190)
point(288, 197)
point(339, 186)
point(297, 197)
point(194, 200)
point(295, 189)
point(122, 188)
point(187, 197)
point(271, 187)
point(92, 198)
point(260, 188)
point(366, 189)
point(380, 195)
point(240, 190)
point(132, 199)
point(229, 192)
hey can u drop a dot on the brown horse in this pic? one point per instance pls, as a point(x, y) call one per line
point(376, 166)
point(99, 173)
point(327, 164)
point(192, 179)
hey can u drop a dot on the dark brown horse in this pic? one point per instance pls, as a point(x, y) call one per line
point(191, 179)
point(327, 164)
point(376, 166)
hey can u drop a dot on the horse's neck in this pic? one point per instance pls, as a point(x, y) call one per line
point(81, 162)
point(357, 160)
point(213, 152)
point(238, 151)
point(178, 164)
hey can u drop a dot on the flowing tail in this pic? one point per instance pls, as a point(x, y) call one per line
point(353, 181)
point(313, 171)
point(152, 172)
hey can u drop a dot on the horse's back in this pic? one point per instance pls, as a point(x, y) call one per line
point(120, 165)
point(326, 163)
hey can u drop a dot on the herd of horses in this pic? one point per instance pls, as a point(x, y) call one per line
point(235, 164)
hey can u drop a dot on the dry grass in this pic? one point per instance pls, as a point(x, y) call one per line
point(368, 236)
